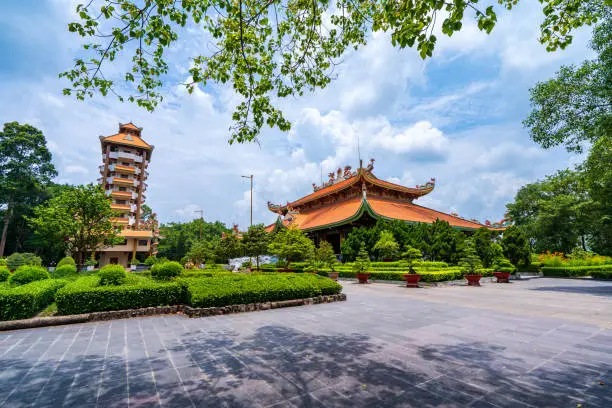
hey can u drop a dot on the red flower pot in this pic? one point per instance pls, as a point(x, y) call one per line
point(363, 277)
point(502, 277)
point(412, 280)
point(473, 280)
point(332, 275)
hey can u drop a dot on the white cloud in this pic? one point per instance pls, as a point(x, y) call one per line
point(420, 138)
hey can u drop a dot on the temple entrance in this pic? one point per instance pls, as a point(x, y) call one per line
point(334, 240)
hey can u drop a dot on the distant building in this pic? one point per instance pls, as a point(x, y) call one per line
point(358, 198)
point(125, 158)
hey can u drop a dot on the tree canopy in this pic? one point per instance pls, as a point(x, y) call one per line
point(575, 107)
point(271, 49)
point(291, 244)
point(256, 241)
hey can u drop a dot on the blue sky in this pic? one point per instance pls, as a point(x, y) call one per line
point(456, 117)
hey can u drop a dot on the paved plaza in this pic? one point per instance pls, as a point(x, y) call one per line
point(538, 342)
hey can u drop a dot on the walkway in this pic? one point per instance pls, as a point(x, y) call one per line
point(540, 343)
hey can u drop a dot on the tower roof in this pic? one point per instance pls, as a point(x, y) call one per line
point(129, 135)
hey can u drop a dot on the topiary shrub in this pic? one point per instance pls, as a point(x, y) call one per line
point(15, 260)
point(111, 275)
point(66, 261)
point(64, 270)
point(166, 270)
point(25, 301)
point(28, 273)
point(4, 273)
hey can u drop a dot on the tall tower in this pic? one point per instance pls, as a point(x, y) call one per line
point(125, 158)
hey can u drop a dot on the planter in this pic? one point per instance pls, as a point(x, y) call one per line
point(473, 280)
point(363, 277)
point(332, 275)
point(412, 280)
point(502, 277)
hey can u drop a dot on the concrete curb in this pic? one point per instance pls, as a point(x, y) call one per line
point(187, 311)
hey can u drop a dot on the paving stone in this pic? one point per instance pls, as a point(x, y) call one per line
point(386, 346)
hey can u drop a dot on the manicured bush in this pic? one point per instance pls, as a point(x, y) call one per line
point(442, 275)
point(64, 270)
point(166, 270)
point(111, 275)
point(27, 273)
point(254, 288)
point(532, 267)
point(86, 295)
point(602, 274)
point(205, 273)
point(16, 259)
point(4, 273)
point(574, 271)
point(66, 261)
point(2, 262)
point(25, 301)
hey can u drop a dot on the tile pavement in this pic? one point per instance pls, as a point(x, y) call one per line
point(536, 343)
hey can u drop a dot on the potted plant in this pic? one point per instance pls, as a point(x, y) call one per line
point(470, 265)
point(133, 263)
point(387, 246)
point(91, 264)
point(503, 268)
point(362, 265)
point(411, 256)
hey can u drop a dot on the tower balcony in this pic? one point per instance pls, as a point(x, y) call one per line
point(122, 195)
point(123, 169)
point(124, 181)
point(123, 208)
point(126, 156)
point(120, 220)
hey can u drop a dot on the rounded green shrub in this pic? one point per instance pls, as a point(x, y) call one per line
point(4, 273)
point(29, 273)
point(166, 270)
point(111, 275)
point(2, 262)
point(64, 270)
point(66, 261)
point(16, 259)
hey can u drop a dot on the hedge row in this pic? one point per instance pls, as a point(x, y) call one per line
point(601, 274)
point(432, 276)
point(86, 295)
point(25, 301)
point(575, 271)
point(244, 289)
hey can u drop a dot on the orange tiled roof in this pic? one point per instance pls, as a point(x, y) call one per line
point(129, 125)
point(415, 213)
point(327, 215)
point(128, 140)
point(326, 190)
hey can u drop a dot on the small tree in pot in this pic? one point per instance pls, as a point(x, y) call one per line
point(362, 265)
point(387, 246)
point(502, 269)
point(412, 255)
point(470, 265)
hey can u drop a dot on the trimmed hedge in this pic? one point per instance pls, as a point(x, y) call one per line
point(427, 276)
point(5, 274)
point(112, 275)
point(25, 301)
point(574, 271)
point(166, 270)
point(254, 288)
point(64, 270)
point(601, 274)
point(205, 273)
point(26, 274)
point(86, 295)
point(66, 261)
point(532, 267)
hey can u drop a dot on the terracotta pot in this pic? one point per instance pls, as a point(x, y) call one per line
point(502, 277)
point(412, 280)
point(363, 277)
point(473, 280)
point(332, 275)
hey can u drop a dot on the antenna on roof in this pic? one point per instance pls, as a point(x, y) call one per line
point(358, 150)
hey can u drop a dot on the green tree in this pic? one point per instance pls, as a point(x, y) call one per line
point(386, 245)
point(515, 246)
point(268, 50)
point(78, 220)
point(412, 255)
point(229, 246)
point(597, 171)
point(575, 106)
point(325, 255)
point(200, 252)
point(178, 237)
point(351, 244)
point(362, 262)
point(25, 169)
point(483, 242)
point(291, 244)
point(256, 241)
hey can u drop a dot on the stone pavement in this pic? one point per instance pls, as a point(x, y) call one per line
point(536, 343)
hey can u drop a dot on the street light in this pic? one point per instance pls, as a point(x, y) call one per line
point(251, 178)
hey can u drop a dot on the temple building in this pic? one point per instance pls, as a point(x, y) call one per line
point(125, 158)
point(358, 198)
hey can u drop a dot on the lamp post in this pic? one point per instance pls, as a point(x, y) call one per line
point(251, 178)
